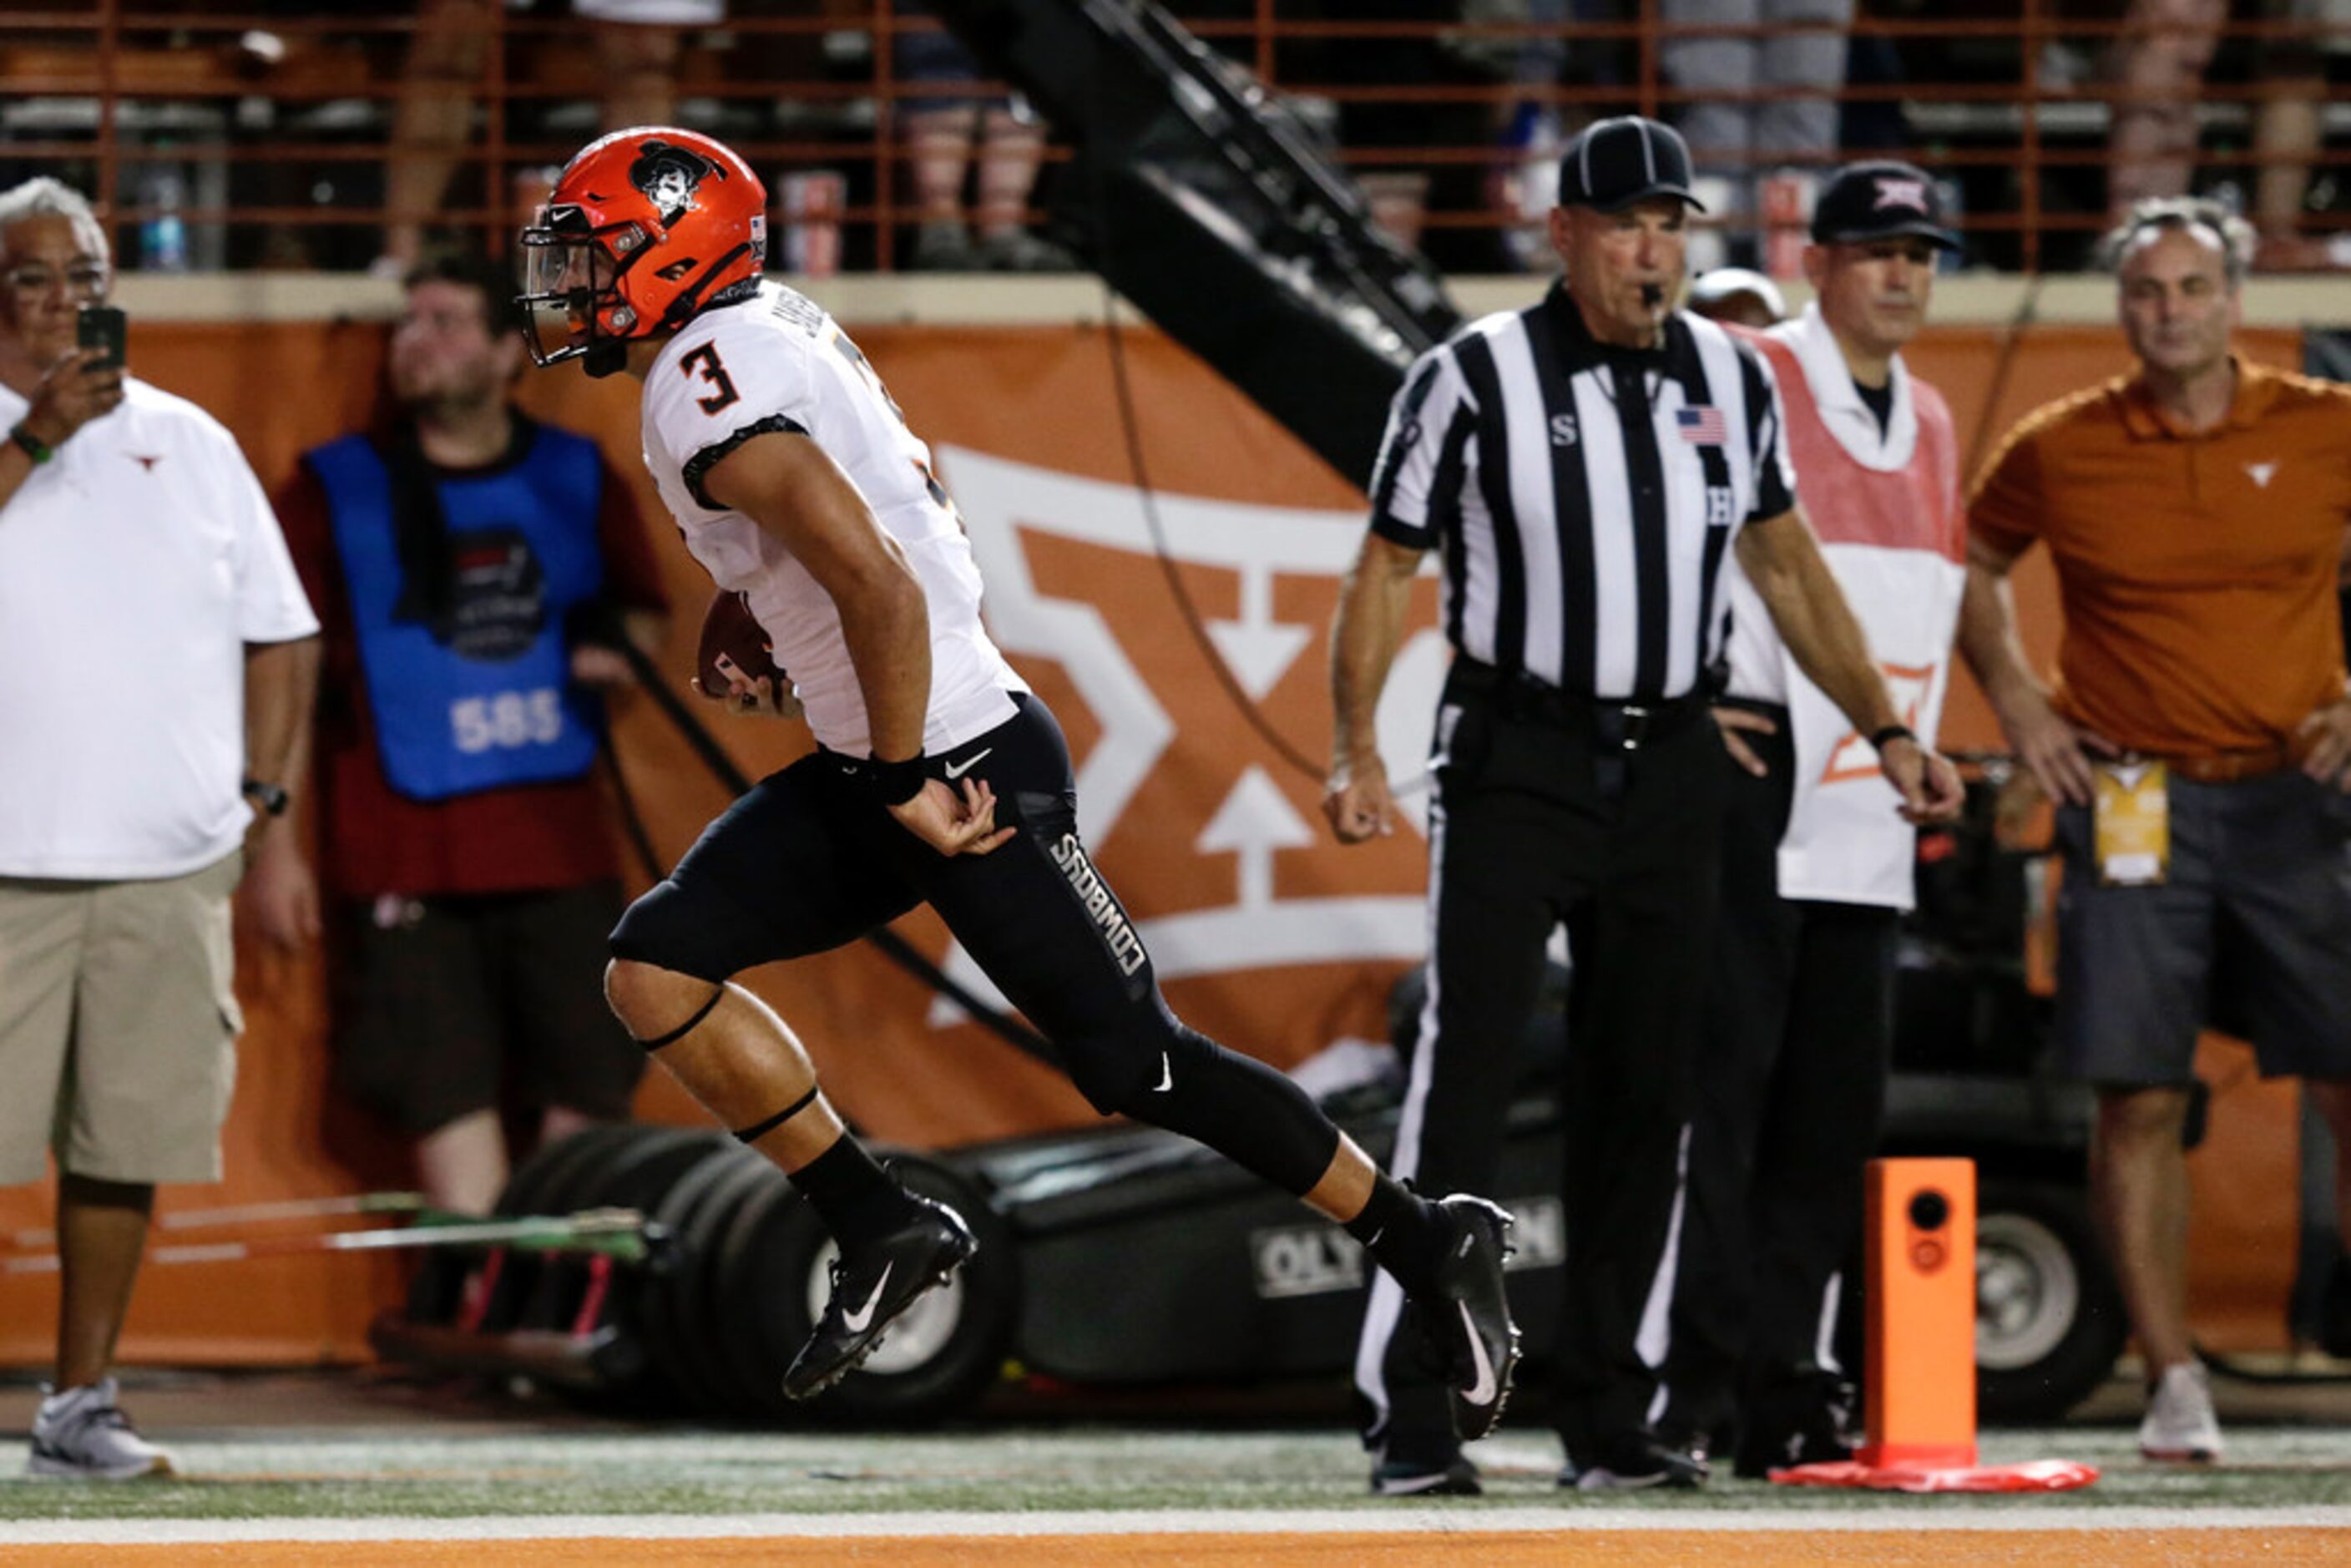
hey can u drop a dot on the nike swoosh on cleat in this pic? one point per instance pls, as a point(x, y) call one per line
point(855, 1322)
point(1166, 1076)
point(957, 770)
point(1483, 1390)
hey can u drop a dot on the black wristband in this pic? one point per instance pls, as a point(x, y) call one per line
point(31, 445)
point(898, 782)
point(1884, 737)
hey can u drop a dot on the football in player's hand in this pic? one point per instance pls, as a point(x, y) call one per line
point(731, 633)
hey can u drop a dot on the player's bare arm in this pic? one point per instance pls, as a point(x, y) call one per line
point(2053, 750)
point(1782, 559)
point(799, 496)
point(1373, 604)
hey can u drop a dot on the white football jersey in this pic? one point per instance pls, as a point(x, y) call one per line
point(777, 362)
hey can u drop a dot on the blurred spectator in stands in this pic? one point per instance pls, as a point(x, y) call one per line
point(2158, 65)
point(1743, 125)
point(999, 141)
point(1529, 131)
point(636, 45)
point(2290, 79)
point(465, 560)
point(1739, 297)
point(1387, 143)
point(156, 656)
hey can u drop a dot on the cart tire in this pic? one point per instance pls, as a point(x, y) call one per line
point(710, 1320)
point(2049, 1318)
point(669, 1332)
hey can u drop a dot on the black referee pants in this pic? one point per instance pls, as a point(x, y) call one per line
point(1791, 1090)
point(1538, 820)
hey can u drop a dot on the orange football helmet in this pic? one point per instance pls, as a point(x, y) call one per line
point(645, 228)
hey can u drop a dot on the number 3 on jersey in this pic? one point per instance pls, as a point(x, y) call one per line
point(705, 359)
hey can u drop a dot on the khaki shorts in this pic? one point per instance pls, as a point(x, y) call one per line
point(117, 1026)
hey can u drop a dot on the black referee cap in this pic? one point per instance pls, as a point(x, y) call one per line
point(1612, 164)
point(1881, 200)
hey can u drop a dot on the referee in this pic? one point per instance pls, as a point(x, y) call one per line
point(1585, 465)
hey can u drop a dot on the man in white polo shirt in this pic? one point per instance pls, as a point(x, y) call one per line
point(156, 654)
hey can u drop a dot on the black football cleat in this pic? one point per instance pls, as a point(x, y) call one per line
point(872, 1285)
point(1468, 1315)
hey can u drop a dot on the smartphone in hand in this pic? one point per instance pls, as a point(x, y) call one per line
point(105, 329)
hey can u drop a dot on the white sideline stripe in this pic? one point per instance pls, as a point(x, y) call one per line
point(1566, 1516)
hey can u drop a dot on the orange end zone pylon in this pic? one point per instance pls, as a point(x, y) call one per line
point(1919, 1232)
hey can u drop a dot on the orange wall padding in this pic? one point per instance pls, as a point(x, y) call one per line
point(1046, 397)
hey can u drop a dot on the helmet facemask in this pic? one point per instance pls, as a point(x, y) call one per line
point(571, 299)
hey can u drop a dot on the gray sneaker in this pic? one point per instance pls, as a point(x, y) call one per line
point(83, 1435)
point(2180, 1421)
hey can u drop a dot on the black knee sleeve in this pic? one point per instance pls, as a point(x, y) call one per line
point(1179, 1080)
point(664, 930)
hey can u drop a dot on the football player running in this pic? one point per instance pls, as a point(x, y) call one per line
point(938, 777)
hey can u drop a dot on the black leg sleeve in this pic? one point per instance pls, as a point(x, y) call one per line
point(1042, 921)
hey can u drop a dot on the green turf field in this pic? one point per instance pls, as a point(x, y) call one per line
point(355, 1472)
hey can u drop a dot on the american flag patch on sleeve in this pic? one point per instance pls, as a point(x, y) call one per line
point(1702, 425)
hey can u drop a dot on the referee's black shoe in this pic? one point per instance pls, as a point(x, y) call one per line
point(1441, 1475)
point(1625, 1461)
point(1467, 1312)
point(873, 1285)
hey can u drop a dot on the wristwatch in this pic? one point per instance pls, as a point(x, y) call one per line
point(272, 799)
point(31, 445)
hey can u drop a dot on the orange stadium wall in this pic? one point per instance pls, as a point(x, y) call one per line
point(1272, 938)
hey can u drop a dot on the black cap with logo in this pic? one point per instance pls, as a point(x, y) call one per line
point(1865, 202)
point(1612, 164)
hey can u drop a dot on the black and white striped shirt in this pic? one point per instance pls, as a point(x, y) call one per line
point(1584, 496)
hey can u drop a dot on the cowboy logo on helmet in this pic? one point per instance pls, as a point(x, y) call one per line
point(668, 176)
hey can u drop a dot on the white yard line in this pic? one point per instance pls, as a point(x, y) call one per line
point(1230, 1522)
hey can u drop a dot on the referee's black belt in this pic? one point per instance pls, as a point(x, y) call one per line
point(1626, 726)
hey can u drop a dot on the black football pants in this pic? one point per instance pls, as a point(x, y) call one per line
point(809, 859)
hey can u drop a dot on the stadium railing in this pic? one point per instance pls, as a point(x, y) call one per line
point(220, 139)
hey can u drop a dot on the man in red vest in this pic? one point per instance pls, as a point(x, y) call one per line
point(1817, 862)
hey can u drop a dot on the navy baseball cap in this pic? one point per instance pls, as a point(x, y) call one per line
point(1612, 164)
point(1886, 200)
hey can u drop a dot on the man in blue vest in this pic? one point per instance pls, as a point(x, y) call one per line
point(464, 558)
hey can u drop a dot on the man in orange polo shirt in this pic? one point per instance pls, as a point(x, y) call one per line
point(2196, 741)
